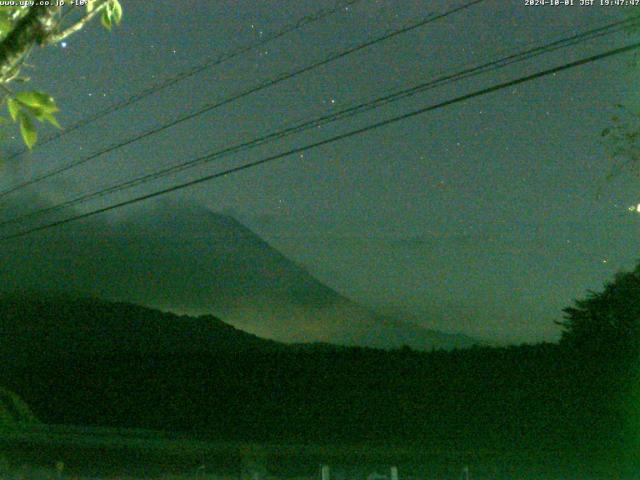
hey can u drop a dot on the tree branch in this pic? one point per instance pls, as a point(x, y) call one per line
point(57, 37)
point(33, 29)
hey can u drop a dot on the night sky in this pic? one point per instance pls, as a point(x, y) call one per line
point(482, 217)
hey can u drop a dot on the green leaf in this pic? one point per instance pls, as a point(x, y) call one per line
point(44, 116)
point(40, 105)
point(37, 112)
point(116, 13)
point(48, 117)
point(105, 19)
point(14, 108)
point(27, 130)
point(6, 25)
point(38, 100)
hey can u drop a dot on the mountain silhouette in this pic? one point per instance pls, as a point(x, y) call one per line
point(48, 324)
point(188, 259)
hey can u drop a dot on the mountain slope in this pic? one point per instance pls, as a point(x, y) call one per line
point(191, 260)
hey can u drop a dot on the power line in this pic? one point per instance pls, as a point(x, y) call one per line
point(244, 93)
point(330, 140)
point(607, 29)
point(168, 82)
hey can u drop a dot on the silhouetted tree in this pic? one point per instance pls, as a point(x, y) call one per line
point(607, 321)
point(601, 342)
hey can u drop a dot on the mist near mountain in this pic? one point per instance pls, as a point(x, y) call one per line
point(188, 259)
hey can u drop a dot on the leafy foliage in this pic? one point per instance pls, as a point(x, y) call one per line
point(622, 140)
point(607, 321)
point(111, 14)
point(9, 16)
point(26, 107)
point(603, 332)
point(29, 105)
point(622, 137)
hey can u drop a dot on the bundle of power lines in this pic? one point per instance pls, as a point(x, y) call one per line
point(354, 109)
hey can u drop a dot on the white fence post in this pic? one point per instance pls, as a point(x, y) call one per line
point(325, 472)
point(394, 473)
point(465, 473)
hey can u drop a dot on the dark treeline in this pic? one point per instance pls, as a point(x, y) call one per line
point(577, 395)
point(485, 397)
